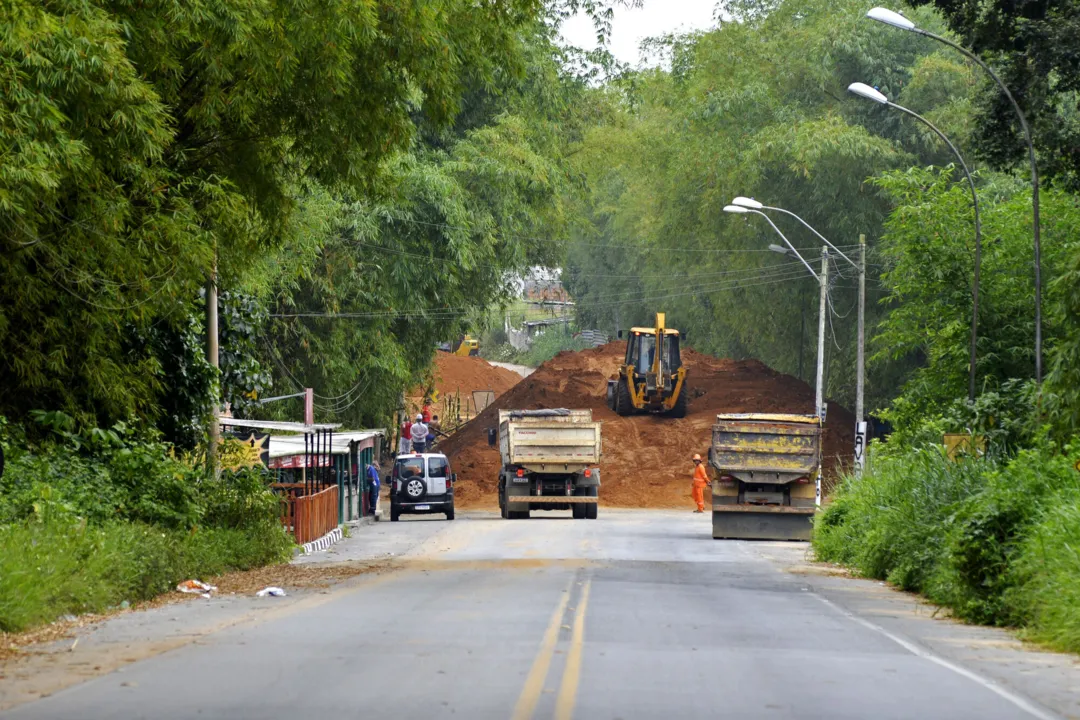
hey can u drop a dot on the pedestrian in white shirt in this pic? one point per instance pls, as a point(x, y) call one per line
point(419, 432)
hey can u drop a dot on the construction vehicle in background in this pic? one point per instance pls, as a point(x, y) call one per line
point(463, 346)
point(767, 484)
point(652, 378)
point(549, 462)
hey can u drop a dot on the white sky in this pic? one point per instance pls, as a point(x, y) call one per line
point(630, 27)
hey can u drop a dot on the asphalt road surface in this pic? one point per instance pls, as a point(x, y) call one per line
point(633, 615)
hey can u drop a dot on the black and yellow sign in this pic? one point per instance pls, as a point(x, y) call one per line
point(244, 449)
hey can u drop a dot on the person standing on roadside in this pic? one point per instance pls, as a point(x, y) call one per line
point(373, 487)
point(406, 437)
point(701, 481)
point(419, 433)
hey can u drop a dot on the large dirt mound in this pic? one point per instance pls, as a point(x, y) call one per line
point(646, 459)
point(455, 373)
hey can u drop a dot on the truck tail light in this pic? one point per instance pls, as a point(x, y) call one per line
point(727, 480)
point(803, 480)
point(520, 472)
point(588, 472)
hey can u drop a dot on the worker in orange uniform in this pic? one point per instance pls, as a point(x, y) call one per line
point(701, 481)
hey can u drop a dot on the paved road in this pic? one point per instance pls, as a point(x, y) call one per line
point(635, 615)
point(522, 370)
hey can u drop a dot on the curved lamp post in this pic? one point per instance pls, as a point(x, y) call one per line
point(823, 281)
point(864, 90)
point(897, 20)
point(860, 382)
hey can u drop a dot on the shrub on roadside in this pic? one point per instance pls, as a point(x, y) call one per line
point(91, 518)
point(49, 569)
point(989, 539)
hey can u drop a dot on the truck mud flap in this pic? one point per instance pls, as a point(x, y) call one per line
point(752, 523)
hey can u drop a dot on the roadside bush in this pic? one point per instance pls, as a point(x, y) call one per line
point(49, 569)
point(989, 530)
point(89, 519)
point(548, 346)
point(891, 523)
point(1047, 572)
point(995, 542)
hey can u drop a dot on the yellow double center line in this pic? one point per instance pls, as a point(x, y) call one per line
point(571, 678)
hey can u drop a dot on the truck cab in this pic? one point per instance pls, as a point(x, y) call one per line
point(421, 483)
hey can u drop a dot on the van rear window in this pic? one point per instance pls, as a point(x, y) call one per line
point(407, 467)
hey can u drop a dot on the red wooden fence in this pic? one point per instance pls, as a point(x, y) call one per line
point(315, 515)
point(309, 517)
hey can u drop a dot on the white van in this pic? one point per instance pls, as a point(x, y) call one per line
point(421, 483)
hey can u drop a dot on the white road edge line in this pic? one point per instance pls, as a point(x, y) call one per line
point(1017, 700)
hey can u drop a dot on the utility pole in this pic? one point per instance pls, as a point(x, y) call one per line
point(214, 433)
point(860, 382)
point(819, 404)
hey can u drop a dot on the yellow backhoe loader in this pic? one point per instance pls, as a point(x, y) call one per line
point(651, 378)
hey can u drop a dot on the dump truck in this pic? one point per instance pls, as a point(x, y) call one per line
point(651, 377)
point(549, 462)
point(464, 345)
point(767, 480)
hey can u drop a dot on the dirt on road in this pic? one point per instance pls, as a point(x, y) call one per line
point(646, 459)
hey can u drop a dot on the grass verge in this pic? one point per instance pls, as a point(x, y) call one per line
point(996, 542)
point(48, 570)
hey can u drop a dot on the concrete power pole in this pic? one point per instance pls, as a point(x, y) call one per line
point(214, 433)
point(824, 279)
point(820, 399)
point(860, 382)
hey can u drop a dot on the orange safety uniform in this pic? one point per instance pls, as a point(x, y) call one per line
point(701, 481)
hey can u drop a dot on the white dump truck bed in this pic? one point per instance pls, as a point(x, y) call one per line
point(557, 441)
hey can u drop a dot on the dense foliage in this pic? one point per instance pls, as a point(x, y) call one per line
point(150, 146)
point(989, 538)
point(1033, 46)
point(758, 108)
point(97, 517)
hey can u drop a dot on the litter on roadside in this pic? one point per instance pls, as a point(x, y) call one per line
point(194, 587)
point(270, 591)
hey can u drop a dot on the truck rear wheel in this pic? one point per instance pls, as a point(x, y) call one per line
point(591, 509)
point(577, 510)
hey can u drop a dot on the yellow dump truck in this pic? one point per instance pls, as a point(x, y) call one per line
point(549, 462)
point(767, 479)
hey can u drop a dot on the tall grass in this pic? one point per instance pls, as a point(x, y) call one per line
point(996, 542)
point(92, 519)
point(51, 569)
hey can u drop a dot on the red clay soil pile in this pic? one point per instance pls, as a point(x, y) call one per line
point(455, 373)
point(646, 459)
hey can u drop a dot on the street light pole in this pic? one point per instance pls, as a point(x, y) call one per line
point(860, 382)
point(822, 278)
point(864, 90)
point(897, 20)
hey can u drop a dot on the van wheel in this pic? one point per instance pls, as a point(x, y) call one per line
point(450, 513)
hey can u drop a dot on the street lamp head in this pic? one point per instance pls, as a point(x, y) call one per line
point(890, 17)
point(735, 209)
point(779, 249)
point(747, 203)
point(864, 90)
